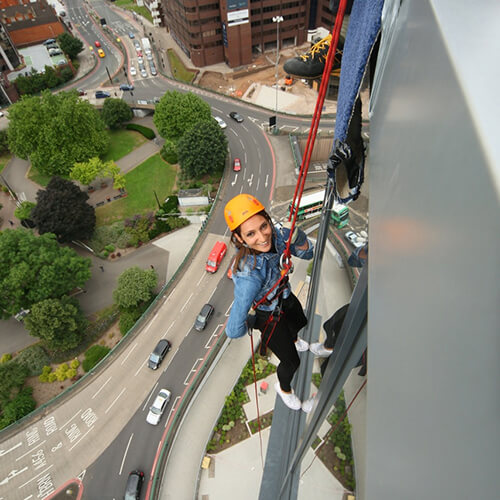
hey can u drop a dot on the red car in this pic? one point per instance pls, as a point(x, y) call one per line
point(236, 165)
point(97, 44)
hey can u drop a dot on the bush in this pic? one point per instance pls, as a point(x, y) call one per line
point(147, 132)
point(128, 319)
point(74, 364)
point(34, 358)
point(110, 248)
point(169, 151)
point(105, 236)
point(93, 356)
point(5, 357)
point(17, 408)
point(44, 377)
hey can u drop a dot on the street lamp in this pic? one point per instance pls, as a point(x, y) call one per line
point(277, 20)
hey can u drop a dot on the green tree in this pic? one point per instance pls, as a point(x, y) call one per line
point(135, 285)
point(176, 113)
point(55, 131)
point(23, 211)
point(4, 142)
point(62, 209)
point(51, 77)
point(18, 407)
point(59, 323)
point(115, 112)
point(34, 268)
point(12, 377)
point(70, 45)
point(86, 172)
point(202, 150)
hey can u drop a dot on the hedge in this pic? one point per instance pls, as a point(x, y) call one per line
point(93, 356)
point(147, 132)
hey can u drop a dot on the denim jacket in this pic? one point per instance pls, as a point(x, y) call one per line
point(251, 282)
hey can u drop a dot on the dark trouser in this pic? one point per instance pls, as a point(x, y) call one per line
point(282, 339)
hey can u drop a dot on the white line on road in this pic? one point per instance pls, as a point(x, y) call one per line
point(258, 182)
point(235, 180)
point(149, 397)
point(29, 451)
point(267, 178)
point(125, 454)
point(4, 452)
point(171, 325)
point(229, 309)
point(140, 367)
point(34, 477)
point(114, 401)
point(81, 438)
point(214, 334)
point(187, 302)
point(74, 416)
point(196, 363)
point(101, 388)
point(201, 278)
point(128, 354)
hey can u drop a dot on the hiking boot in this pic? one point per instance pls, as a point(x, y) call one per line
point(311, 64)
point(289, 398)
point(320, 350)
point(301, 345)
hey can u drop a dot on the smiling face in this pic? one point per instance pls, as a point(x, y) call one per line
point(257, 233)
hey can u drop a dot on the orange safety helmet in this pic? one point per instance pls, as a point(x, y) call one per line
point(241, 208)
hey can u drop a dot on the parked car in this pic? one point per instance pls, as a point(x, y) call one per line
point(133, 71)
point(236, 165)
point(140, 60)
point(62, 62)
point(236, 116)
point(126, 86)
point(101, 94)
point(139, 53)
point(81, 92)
point(49, 41)
point(55, 52)
point(159, 352)
point(158, 407)
point(355, 239)
point(144, 73)
point(152, 68)
point(134, 485)
point(101, 53)
point(220, 121)
point(97, 43)
point(137, 45)
point(202, 319)
point(131, 35)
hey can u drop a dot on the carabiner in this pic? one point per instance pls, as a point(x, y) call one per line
point(286, 266)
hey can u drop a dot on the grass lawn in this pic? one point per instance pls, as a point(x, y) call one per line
point(4, 159)
point(122, 143)
point(152, 175)
point(179, 71)
point(130, 5)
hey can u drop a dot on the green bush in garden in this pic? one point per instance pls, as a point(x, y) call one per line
point(93, 356)
point(34, 358)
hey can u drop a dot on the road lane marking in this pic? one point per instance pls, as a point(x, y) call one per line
point(149, 397)
point(90, 428)
point(193, 370)
point(187, 302)
point(114, 401)
point(29, 451)
point(100, 388)
point(200, 280)
point(12, 474)
point(128, 354)
point(34, 477)
point(74, 416)
point(229, 309)
point(125, 454)
point(140, 367)
point(4, 452)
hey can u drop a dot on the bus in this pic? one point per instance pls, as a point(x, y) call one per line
point(312, 204)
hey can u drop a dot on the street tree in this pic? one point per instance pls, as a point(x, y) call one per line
point(34, 268)
point(115, 112)
point(135, 285)
point(23, 211)
point(176, 113)
point(12, 377)
point(22, 404)
point(70, 45)
point(86, 172)
point(202, 150)
point(55, 131)
point(59, 323)
point(62, 209)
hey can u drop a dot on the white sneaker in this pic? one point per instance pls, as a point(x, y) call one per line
point(290, 399)
point(320, 350)
point(308, 404)
point(301, 345)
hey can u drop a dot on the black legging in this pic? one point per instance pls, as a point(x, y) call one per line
point(283, 337)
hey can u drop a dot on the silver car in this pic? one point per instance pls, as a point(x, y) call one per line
point(158, 407)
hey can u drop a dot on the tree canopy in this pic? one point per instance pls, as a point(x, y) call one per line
point(135, 285)
point(176, 113)
point(62, 209)
point(86, 172)
point(115, 112)
point(202, 150)
point(55, 131)
point(58, 322)
point(34, 268)
point(70, 45)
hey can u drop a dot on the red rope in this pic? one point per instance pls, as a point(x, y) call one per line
point(316, 119)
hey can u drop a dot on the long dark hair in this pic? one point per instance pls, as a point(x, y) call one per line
point(245, 252)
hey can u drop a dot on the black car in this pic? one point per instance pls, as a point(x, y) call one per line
point(202, 318)
point(236, 116)
point(160, 351)
point(126, 86)
point(101, 94)
point(134, 485)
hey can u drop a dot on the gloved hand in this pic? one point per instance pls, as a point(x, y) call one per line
point(251, 319)
point(342, 152)
point(293, 237)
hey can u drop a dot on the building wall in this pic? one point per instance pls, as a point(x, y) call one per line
point(433, 305)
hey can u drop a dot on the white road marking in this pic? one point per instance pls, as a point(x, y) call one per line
point(128, 354)
point(187, 302)
point(34, 477)
point(149, 397)
point(267, 178)
point(90, 428)
point(74, 416)
point(140, 367)
point(200, 280)
point(114, 401)
point(229, 309)
point(125, 454)
point(193, 370)
point(214, 334)
point(29, 451)
point(235, 180)
point(12, 474)
point(250, 181)
point(101, 388)
point(4, 452)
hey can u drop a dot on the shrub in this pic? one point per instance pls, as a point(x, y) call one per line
point(169, 151)
point(5, 357)
point(71, 373)
point(74, 364)
point(147, 132)
point(34, 358)
point(44, 377)
point(52, 377)
point(128, 319)
point(93, 356)
point(108, 235)
point(110, 248)
point(18, 407)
